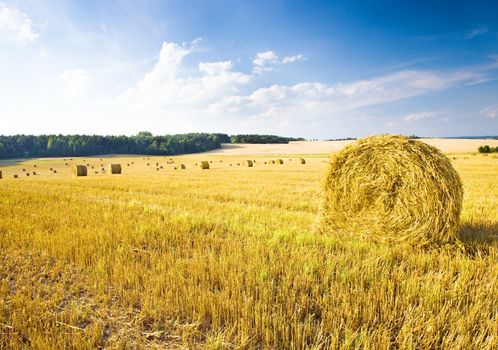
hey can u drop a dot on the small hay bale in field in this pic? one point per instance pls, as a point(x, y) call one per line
point(132, 162)
point(174, 168)
point(0, 174)
point(279, 161)
point(148, 164)
point(55, 171)
point(102, 169)
point(15, 176)
point(157, 169)
point(204, 164)
point(157, 163)
point(248, 163)
point(96, 172)
point(115, 169)
point(34, 172)
point(161, 167)
point(238, 164)
point(27, 174)
point(230, 164)
point(127, 164)
point(79, 170)
point(34, 166)
point(182, 166)
point(23, 169)
point(302, 161)
point(271, 162)
point(51, 169)
point(392, 188)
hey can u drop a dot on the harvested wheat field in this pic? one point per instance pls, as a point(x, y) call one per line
point(230, 258)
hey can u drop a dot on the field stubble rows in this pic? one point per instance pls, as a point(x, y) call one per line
point(227, 258)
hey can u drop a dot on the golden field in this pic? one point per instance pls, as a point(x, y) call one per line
point(227, 258)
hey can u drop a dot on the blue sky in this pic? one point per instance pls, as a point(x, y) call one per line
point(317, 69)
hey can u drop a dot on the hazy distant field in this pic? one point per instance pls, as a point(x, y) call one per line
point(323, 147)
point(227, 258)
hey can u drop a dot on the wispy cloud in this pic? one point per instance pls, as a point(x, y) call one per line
point(268, 61)
point(489, 112)
point(418, 116)
point(475, 32)
point(295, 58)
point(16, 26)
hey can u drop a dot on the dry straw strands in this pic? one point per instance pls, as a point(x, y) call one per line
point(248, 163)
point(204, 164)
point(392, 188)
point(115, 168)
point(79, 170)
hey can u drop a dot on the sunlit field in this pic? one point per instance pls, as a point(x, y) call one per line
point(227, 258)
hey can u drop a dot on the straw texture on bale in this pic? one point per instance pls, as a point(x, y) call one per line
point(392, 188)
point(204, 164)
point(248, 163)
point(115, 168)
point(79, 170)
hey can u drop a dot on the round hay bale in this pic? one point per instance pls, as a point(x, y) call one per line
point(15, 176)
point(27, 174)
point(23, 169)
point(55, 171)
point(34, 172)
point(204, 164)
point(115, 169)
point(279, 161)
point(248, 163)
point(392, 188)
point(182, 166)
point(302, 161)
point(79, 170)
point(0, 174)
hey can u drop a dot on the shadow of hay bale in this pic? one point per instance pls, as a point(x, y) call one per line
point(477, 238)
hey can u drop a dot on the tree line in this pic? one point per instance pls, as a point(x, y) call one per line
point(487, 149)
point(26, 146)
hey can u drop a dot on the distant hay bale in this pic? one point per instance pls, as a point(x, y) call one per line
point(1, 174)
point(248, 163)
point(204, 164)
point(34, 172)
point(392, 188)
point(174, 168)
point(23, 169)
point(15, 176)
point(148, 164)
point(271, 162)
point(51, 169)
point(27, 174)
point(182, 166)
point(67, 163)
point(115, 169)
point(157, 163)
point(79, 170)
point(302, 160)
point(55, 171)
point(34, 166)
point(279, 161)
point(161, 167)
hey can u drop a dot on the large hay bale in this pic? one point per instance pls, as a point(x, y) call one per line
point(115, 168)
point(79, 170)
point(204, 164)
point(248, 163)
point(302, 160)
point(392, 188)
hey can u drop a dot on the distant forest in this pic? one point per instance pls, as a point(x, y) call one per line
point(25, 146)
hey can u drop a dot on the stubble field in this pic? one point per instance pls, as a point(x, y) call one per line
point(227, 258)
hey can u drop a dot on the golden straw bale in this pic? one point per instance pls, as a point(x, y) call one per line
point(279, 161)
point(79, 170)
point(392, 188)
point(248, 163)
point(204, 164)
point(0, 174)
point(115, 168)
point(182, 166)
point(302, 160)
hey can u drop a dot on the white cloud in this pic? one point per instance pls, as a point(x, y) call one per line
point(489, 112)
point(16, 26)
point(166, 85)
point(475, 32)
point(295, 58)
point(219, 95)
point(75, 81)
point(418, 116)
